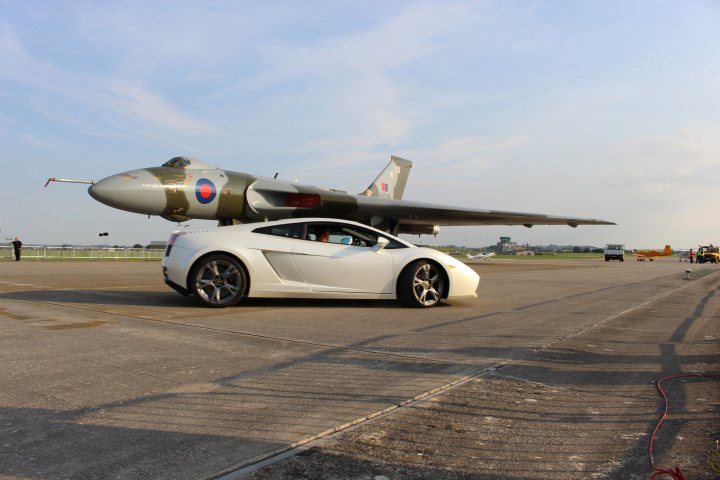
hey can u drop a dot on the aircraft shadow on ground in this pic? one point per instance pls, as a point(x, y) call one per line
point(64, 446)
point(84, 443)
point(100, 297)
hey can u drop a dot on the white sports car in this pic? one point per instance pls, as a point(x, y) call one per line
point(316, 257)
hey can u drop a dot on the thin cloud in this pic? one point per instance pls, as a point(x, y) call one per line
point(129, 101)
point(344, 87)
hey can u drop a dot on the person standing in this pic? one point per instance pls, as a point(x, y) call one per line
point(17, 246)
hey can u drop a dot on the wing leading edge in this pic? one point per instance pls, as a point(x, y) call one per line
point(269, 200)
point(417, 213)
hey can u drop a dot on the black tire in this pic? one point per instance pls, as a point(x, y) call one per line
point(422, 284)
point(607, 258)
point(218, 281)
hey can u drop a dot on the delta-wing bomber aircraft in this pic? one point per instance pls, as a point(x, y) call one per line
point(184, 188)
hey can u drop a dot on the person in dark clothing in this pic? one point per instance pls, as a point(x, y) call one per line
point(17, 246)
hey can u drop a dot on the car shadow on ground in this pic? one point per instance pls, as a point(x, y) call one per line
point(170, 299)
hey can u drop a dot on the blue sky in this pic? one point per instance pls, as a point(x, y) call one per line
point(593, 109)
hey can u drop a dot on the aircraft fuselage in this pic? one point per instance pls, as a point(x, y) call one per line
point(180, 193)
point(184, 188)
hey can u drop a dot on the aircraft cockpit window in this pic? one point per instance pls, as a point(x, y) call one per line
point(177, 162)
point(187, 162)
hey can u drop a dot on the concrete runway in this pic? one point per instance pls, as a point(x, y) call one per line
point(107, 373)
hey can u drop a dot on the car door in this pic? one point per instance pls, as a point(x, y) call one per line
point(347, 262)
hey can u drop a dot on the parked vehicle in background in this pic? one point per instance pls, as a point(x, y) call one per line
point(614, 251)
point(710, 254)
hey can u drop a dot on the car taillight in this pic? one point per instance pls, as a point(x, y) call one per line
point(171, 241)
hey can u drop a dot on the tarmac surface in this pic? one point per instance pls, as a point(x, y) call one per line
point(550, 373)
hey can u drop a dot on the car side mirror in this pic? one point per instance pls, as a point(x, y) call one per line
point(382, 242)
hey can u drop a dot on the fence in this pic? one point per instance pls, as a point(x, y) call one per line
point(32, 252)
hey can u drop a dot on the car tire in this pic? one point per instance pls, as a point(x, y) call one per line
point(422, 284)
point(218, 281)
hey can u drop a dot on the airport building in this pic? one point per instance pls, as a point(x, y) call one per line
point(507, 247)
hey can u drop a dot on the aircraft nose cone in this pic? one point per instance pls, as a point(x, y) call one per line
point(135, 191)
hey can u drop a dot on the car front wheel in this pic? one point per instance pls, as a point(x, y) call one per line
point(422, 284)
point(218, 281)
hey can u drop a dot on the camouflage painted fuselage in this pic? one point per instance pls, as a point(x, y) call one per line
point(185, 188)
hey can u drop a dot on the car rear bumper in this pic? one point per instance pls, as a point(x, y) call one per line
point(177, 288)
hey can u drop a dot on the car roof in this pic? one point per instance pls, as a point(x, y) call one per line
point(309, 220)
point(288, 221)
point(249, 227)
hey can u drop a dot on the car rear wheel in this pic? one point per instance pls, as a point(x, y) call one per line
point(218, 281)
point(422, 284)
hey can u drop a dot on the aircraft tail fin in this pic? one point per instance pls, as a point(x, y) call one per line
point(391, 181)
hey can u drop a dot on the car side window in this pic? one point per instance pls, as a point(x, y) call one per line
point(346, 234)
point(293, 230)
point(327, 233)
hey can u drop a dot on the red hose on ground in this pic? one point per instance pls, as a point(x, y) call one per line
point(676, 473)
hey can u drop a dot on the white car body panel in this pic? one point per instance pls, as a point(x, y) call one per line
point(283, 267)
point(344, 268)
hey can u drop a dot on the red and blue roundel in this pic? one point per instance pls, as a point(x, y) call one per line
point(205, 191)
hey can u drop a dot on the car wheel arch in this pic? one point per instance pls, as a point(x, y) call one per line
point(407, 265)
point(242, 263)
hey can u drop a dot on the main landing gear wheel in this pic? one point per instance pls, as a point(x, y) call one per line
point(218, 281)
point(422, 284)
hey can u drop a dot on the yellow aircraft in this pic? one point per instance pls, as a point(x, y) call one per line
point(643, 255)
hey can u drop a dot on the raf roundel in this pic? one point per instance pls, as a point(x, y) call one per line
point(205, 191)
